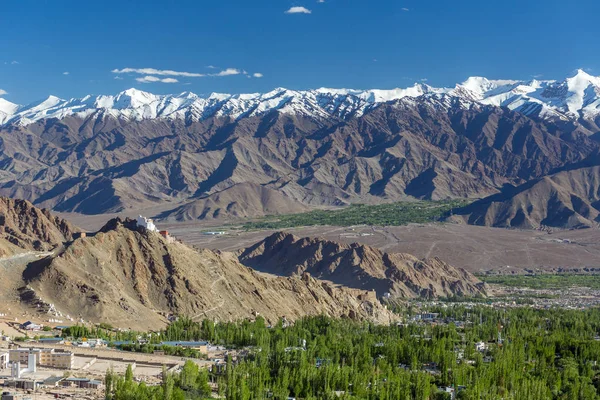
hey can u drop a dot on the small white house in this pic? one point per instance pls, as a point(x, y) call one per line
point(481, 346)
point(146, 223)
point(30, 326)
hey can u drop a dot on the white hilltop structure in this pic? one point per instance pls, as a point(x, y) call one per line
point(146, 223)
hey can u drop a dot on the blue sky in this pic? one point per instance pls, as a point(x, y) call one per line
point(340, 43)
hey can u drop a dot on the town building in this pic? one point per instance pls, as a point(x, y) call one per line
point(30, 326)
point(82, 383)
point(146, 223)
point(53, 381)
point(167, 236)
point(61, 327)
point(481, 346)
point(51, 340)
point(94, 342)
point(214, 233)
point(4, 358)
point(202, 347)
point(24, 384)
point(44, 357)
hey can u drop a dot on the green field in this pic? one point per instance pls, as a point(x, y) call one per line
point(544, 281)
point(393, 214)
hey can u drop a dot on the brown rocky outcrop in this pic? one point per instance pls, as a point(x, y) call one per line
point(359, 266)
point(25, 227)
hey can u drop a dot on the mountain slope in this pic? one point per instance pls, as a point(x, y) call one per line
point(426, 148)
point(360, 266)
point(244, 200)
point(127, 276)
point(324, 147)
point(25, 227)
point(565, 199)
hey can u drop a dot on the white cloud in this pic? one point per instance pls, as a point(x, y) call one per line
point(298, 10)
point(257, 75)
point(320, 1)
point(14, 62)
point(228, 72)
point(66, 73)
point(118, 78)
point(153, 72)
point(211, 67)
point(405, 9)
point(423, 79)
point(151, 79)
point(3, 92)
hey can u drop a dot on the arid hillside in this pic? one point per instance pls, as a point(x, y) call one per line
point(359, 266)
point(129, 276)
point(25, 227)
point(568, 198)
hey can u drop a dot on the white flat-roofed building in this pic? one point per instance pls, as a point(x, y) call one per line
point(146, 223)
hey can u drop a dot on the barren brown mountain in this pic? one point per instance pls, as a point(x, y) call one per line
point(128, 276)
point(361, 267)
point(567, 198)
point(25, 227)
point(426, 147)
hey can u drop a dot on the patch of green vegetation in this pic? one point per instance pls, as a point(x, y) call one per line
point(393, 214)
point(527, 354)
point(544, 281)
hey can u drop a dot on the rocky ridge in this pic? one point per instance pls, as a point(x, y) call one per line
point(361, 267)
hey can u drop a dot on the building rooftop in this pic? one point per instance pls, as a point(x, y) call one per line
point(184, 343)
point(53, 380)
point(51, 339)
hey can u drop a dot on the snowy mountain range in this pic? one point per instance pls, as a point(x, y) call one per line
point(576, 97)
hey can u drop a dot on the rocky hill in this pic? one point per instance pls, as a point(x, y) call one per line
point(127, 276)
point(361, 267)
point(25, 227)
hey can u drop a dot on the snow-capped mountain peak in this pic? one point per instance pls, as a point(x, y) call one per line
point(7, 109)
point(583, 92)
point(577, 96)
